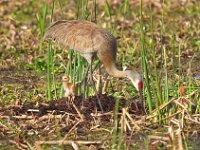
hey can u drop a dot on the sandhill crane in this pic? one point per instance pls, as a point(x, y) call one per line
point(91, 40)
point(69, 88)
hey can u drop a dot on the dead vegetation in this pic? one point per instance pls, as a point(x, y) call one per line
point(79, 120)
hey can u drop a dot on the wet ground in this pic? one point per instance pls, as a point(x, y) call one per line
point(78, 119)
point(71, 116)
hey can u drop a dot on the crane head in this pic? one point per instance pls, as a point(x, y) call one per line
point(136, 79)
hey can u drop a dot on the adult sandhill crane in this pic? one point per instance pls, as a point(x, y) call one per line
point(69, 88)
point(90, 40)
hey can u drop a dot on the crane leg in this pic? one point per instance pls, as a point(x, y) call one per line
point(89, 67)
point(95, 90)
point(85, 78)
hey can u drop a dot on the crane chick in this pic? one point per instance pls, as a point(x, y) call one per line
point(69, 88)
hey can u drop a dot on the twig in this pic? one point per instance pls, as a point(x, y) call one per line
point(158, 138)
point(70, 131)
point(74, 144)
point(78, 112)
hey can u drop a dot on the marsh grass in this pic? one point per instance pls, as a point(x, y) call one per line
point(41, 21)
point(144, 60)
point(115, 132)
point(157, 89)
point(49, 69)
point(162, 64)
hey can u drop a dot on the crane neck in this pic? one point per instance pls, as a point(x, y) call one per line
point(115, 72)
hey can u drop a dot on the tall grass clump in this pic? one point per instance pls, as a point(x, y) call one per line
point(161, 91)
point(144, 61)
point(41, 18)
point(108, 10)
point(166, 88)
point(51, 58)
point(156, 87)
point(157, 91)
point(49, 70)
point(115, 132)
point(41, 22)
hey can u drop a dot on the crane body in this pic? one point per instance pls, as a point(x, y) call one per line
point(90, 40)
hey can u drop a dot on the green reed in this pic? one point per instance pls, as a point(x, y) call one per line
point(115, 133)
point(144, 60)
point(41, 18)
point(51, 58)
point(49, 70)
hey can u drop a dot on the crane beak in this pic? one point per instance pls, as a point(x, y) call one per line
point(140, 88)
point(141, 95)
point(142, 100)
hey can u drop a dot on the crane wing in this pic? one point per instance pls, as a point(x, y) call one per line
point(82, 36)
